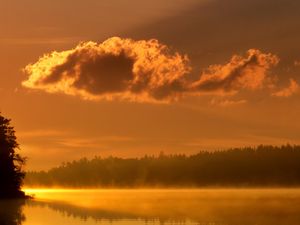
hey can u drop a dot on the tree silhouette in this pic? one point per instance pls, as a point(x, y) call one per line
point(245, 167)
point(11, 173)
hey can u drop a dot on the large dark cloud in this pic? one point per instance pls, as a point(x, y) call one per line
point(115, 69)
point(96, 75)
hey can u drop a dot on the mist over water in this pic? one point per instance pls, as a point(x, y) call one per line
point(156, 206)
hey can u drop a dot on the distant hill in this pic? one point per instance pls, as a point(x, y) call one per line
point(260, 166)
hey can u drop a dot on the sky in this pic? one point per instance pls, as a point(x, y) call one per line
point(128, 78)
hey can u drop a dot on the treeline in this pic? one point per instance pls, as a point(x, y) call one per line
point(260, 166)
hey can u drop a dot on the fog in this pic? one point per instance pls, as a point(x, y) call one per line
point(169, 206)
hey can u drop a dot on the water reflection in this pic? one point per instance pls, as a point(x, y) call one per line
point(11, 212)
point(236, 207)
point(81, 212)
point(136, 207)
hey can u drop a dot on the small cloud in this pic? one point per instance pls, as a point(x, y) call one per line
point(292, 89)
point(227, 102)
point(250, 73)
point(42, 133)
point(92, 142)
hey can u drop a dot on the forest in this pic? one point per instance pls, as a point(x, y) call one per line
point(240, 167)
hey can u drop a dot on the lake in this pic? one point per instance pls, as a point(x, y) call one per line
point(155, 206)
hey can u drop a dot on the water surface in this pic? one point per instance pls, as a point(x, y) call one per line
point(157, 206)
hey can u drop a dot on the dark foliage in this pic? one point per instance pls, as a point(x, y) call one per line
point(11, 173)
point(261, 166)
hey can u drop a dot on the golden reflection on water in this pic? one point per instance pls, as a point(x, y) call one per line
point(201, 206)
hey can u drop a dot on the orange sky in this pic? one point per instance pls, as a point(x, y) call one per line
point(201, 88)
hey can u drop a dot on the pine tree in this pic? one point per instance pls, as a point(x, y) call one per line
point(11, 163)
